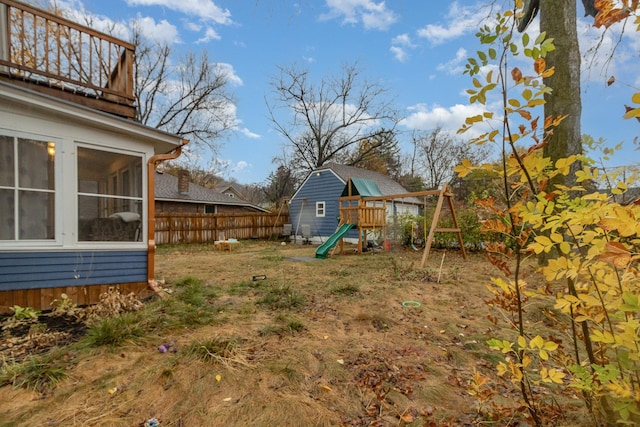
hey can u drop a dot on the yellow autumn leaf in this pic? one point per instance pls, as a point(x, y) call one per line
point(556, 237)
point(556, 375)
point(632, 113)
point(621, 220)
point(535, 102)
point(522, 342)
point(501, 368)
point(603, 337)
point(542, 244)
point(552, 375)
point(548, 72)
point(564, 165)
point(543, 354)
point(473, 119)
point(589, 300)
point(526, 361)
point(536, 342)
point(565, 247)
point(218, 377)
point(464, 168)
point(514, 103)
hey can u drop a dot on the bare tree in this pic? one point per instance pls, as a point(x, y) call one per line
point(438, 152)
point(327, 121)
point(190, 98)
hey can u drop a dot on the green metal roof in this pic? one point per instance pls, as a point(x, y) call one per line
point(362, 187)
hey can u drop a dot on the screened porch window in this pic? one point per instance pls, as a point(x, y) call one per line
point(27, 189)
point(109, 196)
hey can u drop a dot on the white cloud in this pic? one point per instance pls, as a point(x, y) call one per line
point(372, 15)
point(162, 32)
point(206, 10)
point(209, 34)
point(239, 166)
point(424, 117)
point(192, 26)
point(246, 132)
point(228, 71)
point(461, 21)
point(399, 53)
point(76, 11)
point(456, 65)
point(400, 45)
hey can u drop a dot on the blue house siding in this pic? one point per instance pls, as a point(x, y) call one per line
point(35, 270)
point(327, 188)
point(323, 188)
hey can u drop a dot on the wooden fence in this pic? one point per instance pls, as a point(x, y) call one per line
point(173, 228)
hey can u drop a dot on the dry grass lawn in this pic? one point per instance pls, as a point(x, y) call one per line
point(353, 340)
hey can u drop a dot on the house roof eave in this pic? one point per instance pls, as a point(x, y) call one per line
point(162, 141)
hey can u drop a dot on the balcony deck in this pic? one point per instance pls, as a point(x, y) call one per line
point(55, 56)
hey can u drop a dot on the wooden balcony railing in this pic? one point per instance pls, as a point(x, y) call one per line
point(56, 56)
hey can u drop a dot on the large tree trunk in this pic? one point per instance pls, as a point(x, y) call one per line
point(558, 19)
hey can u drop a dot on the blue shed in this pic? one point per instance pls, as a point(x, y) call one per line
point(315, 206)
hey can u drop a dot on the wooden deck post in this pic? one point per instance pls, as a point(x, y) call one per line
point(4, 37)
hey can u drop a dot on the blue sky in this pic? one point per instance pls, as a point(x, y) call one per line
point(415, 48)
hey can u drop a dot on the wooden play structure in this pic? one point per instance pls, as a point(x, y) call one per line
point(370, 214)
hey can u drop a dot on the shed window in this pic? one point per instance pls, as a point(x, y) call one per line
point(27, 189)
point(320, 209)
point(109, 196)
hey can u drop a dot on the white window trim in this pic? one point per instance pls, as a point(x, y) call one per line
point(144, 214)
point(58, 223)
point(321, 206)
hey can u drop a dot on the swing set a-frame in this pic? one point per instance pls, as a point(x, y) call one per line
point(369, 214)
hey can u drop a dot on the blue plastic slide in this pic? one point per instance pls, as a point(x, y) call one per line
point(324, 248)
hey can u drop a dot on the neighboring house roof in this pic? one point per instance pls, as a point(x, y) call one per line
point(631, 196)
point(230, 189)
point(166, 189)
point(386, 185)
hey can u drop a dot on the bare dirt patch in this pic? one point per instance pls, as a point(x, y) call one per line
point(353, 340)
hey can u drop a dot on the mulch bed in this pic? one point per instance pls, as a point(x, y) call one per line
point(19, 341)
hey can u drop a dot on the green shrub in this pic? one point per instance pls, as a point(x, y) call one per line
point(39, 373)
point(282, 297)
point(115, 331)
